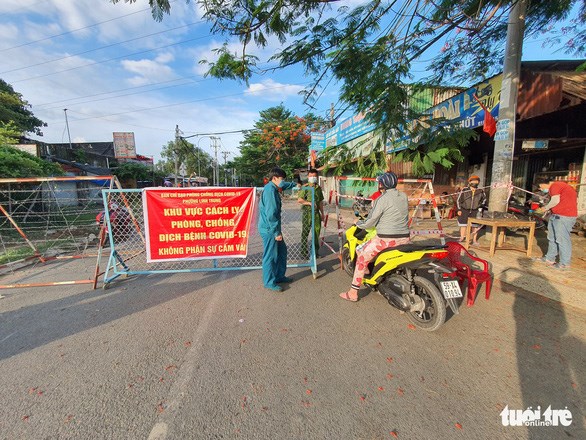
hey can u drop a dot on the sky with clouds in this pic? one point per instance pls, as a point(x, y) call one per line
point(114, 68)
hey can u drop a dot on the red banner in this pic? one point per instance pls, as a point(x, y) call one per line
point(197, 223)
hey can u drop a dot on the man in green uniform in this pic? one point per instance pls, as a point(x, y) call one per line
point(305, 199)
point(274, 258)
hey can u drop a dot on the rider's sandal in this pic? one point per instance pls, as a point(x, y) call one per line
point(344, 295)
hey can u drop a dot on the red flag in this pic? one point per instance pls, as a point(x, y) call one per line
point(489, 121)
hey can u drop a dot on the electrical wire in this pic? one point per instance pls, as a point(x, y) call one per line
point(134, 93)
point(75, 30)
point(125, 124)
point(243, 130)
point(112, 59)
point(246, 92)
point(123, 90)
point(100, 48)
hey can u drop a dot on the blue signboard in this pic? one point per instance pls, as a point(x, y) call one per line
point(318, 141)
point(349, 129)
point(464, 108)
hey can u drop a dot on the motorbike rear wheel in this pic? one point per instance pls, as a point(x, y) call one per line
point(347, 261)
point(434, 314)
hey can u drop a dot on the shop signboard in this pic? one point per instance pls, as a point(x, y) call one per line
point(540, 144)
point(349, 129)
point(27, 148)
point(318, 141)
point(462, 108)
point(124, 146)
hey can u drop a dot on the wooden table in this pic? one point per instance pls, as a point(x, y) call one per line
point(501, 223)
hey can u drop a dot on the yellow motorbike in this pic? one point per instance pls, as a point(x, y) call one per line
point(416, 279)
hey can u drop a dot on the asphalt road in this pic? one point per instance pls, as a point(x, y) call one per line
point(214, 355)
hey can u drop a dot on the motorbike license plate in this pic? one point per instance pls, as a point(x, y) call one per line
point(451, 289)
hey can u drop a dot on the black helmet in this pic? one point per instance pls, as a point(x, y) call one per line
point(388, 180)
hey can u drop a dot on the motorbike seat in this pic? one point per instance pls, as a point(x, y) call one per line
point(413, 247)
point(410, 247)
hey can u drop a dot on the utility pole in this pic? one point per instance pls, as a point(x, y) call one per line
point(198, 155)
point(177, 136)
point(504, 145)
point(215, 145)
point(67, 125)
point(225, 154)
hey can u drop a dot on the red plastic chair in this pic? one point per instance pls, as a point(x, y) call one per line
point(464, 272)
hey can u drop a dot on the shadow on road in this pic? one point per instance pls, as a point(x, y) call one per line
point(550, 359)
point(33, 326)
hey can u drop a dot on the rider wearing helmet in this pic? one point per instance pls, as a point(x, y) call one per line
point(390, 216)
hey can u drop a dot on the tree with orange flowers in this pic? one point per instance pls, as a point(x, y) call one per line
point(279, 139)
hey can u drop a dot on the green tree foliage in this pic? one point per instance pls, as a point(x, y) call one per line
point(133, 170)
point(369, 51)
point(17, 163)
point(196, 160)
point(391, 33)
point(14, 108)
point(279, 139)
point(9, 134)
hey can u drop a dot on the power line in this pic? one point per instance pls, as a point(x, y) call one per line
point(112, 59)
point(60, 102)
point(105, 118)
point(244, 130)
point(123, 90)
point(190, 102)
point(100, 48)
point(134, 93)
point(74, 30)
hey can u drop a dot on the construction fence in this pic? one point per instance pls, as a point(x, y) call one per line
point(353, 195)
point(128, 235)
point(51, 218)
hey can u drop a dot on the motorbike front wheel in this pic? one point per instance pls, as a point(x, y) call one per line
point(434, 314)
point(347, 262)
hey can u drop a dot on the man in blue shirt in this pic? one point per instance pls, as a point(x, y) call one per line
point(274, 259)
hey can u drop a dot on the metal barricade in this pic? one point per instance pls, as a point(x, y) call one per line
point(126, 236)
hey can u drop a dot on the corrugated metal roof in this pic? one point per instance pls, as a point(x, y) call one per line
point(552, 65)
point(574, 83)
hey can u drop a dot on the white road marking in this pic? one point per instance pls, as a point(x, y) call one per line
point(6, 337)
point(186, 371)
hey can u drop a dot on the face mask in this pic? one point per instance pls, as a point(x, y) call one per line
point(474, 184)
point(282, 183)
point(545, 190)
point(312, 179)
